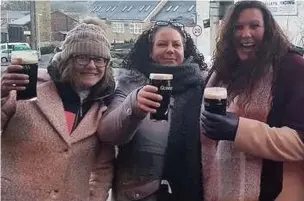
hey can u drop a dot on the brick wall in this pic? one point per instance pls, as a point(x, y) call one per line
point(60, 23)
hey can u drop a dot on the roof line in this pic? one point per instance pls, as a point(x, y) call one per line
point(64, 14)
point(157, 8)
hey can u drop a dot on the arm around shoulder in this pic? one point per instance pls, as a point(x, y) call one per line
point(120, 123)
point(259, 139)
point(284, 142)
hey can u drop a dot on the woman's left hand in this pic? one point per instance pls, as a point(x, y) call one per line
point(220, 127)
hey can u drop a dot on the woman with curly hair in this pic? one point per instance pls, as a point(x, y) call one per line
point(256, 151)
point(162, 161)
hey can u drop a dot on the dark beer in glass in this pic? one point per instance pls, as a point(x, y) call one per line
point(30, 67)
point(215, 100)
point(164, 84)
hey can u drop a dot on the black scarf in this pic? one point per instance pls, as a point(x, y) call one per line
point(182, 167)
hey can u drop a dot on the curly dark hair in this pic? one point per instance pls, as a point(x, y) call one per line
point(139, 56)
point(226, 62)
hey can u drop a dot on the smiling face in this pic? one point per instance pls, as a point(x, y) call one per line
point(249, 33)
point(168, 48)
point(86, 76)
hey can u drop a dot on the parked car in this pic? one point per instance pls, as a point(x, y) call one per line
point(5, 46)
point(5, 55)
point(8, 48)
point(30, 55)
point(300, 50)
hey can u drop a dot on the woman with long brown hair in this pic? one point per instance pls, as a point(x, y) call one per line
point(256, 151)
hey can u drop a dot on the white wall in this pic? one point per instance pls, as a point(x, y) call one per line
point(293, 26)
point(189, 31)
point(203, 41)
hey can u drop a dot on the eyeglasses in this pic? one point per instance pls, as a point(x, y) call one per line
point(169, 23)
point(84, 60)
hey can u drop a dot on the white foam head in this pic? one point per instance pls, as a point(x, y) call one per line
point(158, 76)
point(26, 57)
point(215, 93)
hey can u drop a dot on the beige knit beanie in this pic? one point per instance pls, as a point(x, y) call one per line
point(87, 38)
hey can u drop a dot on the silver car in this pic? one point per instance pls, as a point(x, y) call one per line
point(5, 55)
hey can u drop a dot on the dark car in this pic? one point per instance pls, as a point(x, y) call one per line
point(298, 49)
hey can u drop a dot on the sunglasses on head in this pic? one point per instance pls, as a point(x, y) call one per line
point(169, 23)
point(173, 24)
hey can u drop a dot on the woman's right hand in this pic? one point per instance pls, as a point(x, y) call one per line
point(11, 80)
point(148, 100)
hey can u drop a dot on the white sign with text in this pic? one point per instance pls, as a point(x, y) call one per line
point(281, 7)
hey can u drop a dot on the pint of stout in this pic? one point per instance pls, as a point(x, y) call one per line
point(215, 100)
point(30, 67)
point(164, 84)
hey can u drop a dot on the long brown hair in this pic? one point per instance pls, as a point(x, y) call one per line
point(226, 62)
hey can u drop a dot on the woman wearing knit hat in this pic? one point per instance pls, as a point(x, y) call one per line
point(50, 150)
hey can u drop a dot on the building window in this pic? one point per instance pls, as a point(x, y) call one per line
point(98, 9)
point(118, 27)
point(147, 8)
point(169, 8)
point(191, 8)
point(109, 8)
point(124, 8)
point(113, 8)
point(175, 9)
point(130, 8)
point(95, 8)
point(136, 28)
point(141, 8)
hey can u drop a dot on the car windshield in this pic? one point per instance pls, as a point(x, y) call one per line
point(21, 47)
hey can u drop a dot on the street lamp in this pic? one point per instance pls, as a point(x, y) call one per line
point(194, 17)
point(7, 26)
point(38, 33)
